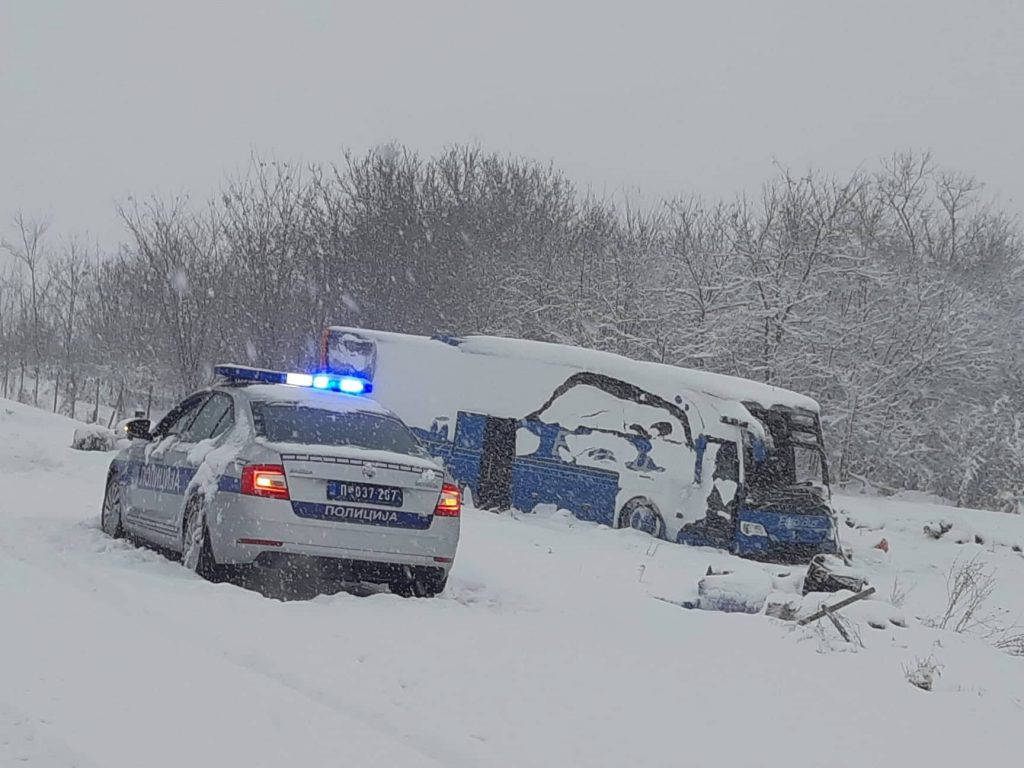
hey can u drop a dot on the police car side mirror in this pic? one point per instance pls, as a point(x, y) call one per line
point(138, 429)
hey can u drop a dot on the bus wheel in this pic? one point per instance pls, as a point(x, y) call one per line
point(642, 514)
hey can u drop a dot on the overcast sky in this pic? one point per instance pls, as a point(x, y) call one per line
point(103, 99)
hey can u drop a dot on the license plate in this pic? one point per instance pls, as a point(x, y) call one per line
point(367, 493)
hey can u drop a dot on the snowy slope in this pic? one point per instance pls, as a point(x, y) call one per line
point(547, 649)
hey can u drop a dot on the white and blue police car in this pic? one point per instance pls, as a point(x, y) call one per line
point(274, 470)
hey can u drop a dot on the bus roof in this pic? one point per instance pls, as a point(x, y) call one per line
point(715, 384)
point(653, 376)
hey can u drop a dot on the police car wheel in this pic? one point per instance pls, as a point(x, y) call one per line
point(110, 512)
point(431, 587)
point(196, 550)
point(402, 588)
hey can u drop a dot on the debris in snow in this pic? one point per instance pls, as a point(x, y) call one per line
point(783, 606)
point(828, 573)
point(859, 526)
point(734, 592)
point(93, 438)
point(840, 628)
point(883, 545)
point(964, 534)
point(938, 530)
point(827, 610)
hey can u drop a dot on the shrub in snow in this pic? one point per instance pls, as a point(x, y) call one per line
point(93, 438)
point(923, 673)
point(1010, 640)
point(968, 587)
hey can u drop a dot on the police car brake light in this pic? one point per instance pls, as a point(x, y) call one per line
point(265, 480)
point(450, 502)
point(349, 385)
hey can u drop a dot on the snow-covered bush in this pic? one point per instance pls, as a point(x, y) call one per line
point(93, 438)
point(923, 673)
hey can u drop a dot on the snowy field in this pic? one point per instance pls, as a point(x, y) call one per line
point(547, 649)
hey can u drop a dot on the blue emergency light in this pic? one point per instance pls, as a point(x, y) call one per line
point(349, 385)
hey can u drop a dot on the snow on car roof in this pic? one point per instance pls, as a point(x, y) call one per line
point(312, 398)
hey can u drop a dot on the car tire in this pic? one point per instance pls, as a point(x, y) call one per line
point(196, 549)
point(430, 587)
point(401, 587)
point(425, 587)
point(642, 514)
point(110, 512)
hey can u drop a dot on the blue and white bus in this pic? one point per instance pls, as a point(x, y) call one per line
point(689, 456)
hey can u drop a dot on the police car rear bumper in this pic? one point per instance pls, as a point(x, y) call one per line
point(242, 528)
point(350, 570)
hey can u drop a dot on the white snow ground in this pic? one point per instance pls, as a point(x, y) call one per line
point(547, 649)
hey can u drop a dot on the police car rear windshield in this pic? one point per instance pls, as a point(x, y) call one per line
point(291, 423)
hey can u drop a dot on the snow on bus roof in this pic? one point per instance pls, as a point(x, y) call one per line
point(717, 385)
point(723, 396)
point(655, 376)
point(313, 398)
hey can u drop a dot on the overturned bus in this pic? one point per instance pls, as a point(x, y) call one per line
point(688, 456)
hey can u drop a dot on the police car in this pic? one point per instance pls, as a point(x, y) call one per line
point(287, 471)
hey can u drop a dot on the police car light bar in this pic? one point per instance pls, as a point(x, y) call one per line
point(349, 385)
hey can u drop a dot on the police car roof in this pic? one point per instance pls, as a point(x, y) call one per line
point(312, 398)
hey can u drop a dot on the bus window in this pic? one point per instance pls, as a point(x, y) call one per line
point(808, 467)
point(527, 441)
point(727, 463)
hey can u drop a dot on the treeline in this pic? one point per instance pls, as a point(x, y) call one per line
point(893, 296)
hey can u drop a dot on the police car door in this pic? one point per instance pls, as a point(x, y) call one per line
point(158, 486)
point(184, 456)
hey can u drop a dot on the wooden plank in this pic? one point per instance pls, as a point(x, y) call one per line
point(835, 622)
point(826, 610)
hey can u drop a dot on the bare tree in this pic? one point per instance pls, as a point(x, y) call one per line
point(70, 273)
point(29, 250)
